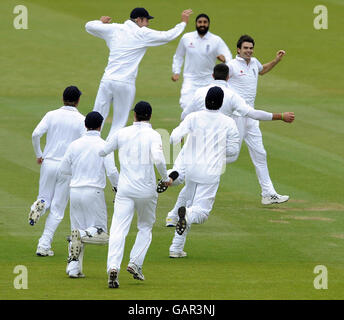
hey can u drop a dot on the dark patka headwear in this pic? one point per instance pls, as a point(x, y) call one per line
point(71, 94)
point(214, 98)
point(140, 13)
point(202, 15)
point(143, 108)
point(93, 120)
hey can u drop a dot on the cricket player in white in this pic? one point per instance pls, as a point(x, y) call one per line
point(62, 126)
point(200, 49)
point(139, 149)
point(212, 137)
point(127, 43)
point(232, 105)
point(88, 213)
point(243, 78)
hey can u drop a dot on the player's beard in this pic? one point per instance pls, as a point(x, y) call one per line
point(202, 30)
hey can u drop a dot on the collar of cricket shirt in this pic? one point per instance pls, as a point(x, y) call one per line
point(220, 82)
point(242, 59)
point(70, 108)
point(142, 124)
point(205, 37)
point(131, 24)
point(93, 133)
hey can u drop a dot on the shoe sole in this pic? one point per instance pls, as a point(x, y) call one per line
point(276, 202)
point(181, 224)
point(135, 274)
point(75, 247)
point(95, 241)
point(169, 225)
point(177, 256)
point(113, 280)
point(161, 187)
point(35, 213)
point(75, 276)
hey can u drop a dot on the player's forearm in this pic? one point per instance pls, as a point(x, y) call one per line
point(268, 66)
point(36, 143)
point(260, 115)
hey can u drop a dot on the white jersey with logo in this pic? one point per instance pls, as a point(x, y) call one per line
point(200, 55)
point(243, 78)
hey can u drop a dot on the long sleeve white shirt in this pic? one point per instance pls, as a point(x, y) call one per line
point(243, 78)
point(83, 163)
point(139, 149)
point(232, 104)
point(212, 137)
point(128, 43)
point(200, 55)
point(62, 126)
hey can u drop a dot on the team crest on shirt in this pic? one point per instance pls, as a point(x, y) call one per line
point(191, 45)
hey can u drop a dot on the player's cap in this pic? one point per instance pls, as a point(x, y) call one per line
point(143, 108)
point(214, 98)
point(71, 94)
point(140, 13)
point(93, 120)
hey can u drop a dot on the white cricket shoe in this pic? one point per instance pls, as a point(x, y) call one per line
point(76, 275)
point(136, 271)
point(75, 247)
point(180, 254)
point(101, 237)
point(274, 198)
point(171, 221)
point(113, 279)
point(37, 211)
point(42, 252)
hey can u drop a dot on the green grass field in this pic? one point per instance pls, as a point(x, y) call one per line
point(245, 250)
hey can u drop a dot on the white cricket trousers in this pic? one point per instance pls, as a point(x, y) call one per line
point(121, 95)
point(189, 88)
point(123, 214)
point(200, 199)
point(249, 132)
point(87, 213)
point(54, 190)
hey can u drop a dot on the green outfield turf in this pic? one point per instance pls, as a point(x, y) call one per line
point(245, 250)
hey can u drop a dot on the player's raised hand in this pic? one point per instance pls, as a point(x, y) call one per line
point(222, 58)
point(185, 15)
point(280, 54)
point(105, 19)
point(288, 116)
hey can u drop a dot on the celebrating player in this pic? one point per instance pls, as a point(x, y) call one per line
point(128, 43)
point(139, 149)
point(88, 213)
point(62, 127)
point(200, 48)
point(243, 79)
point(212, 137)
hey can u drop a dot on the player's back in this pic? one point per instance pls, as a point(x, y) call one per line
point(137, 175)
point(64, 125)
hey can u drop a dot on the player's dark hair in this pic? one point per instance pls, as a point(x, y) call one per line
point(140, 117)
point(244, 38)
point(203, 15)
point(221, 71)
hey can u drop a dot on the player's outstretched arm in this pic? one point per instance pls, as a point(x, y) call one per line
point(268, 66)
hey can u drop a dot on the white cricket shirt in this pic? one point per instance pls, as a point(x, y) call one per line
point(243, 78)
point(83, 163)
point(127, 44)
point(62, 127)
point(200, 55)
point(211, 137)
point(139, 149)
